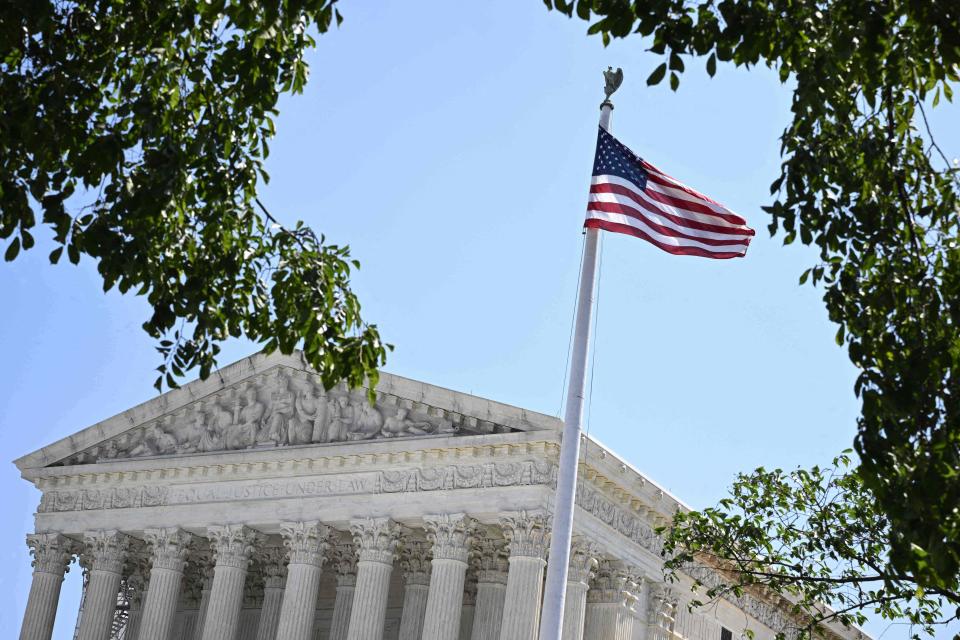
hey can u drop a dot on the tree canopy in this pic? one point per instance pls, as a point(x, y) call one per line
point(865, 182)
point(135, 133)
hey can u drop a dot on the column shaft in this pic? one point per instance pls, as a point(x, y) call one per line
point(51, 555)
point(370, 601)
point(488, 614)
point(466, 621)
point(99, 605)
point(270, 613)
point(445, 601)
point(202, 613)
point(299, 606)
point(521, 610)
point(160, 605)
point(169, 552)
point(528, 536)
point(414, 607)
point(226, 599)
point(575, 603)
point(307, 543)
point(233, 545)
point(342, 607)
point(376, 541)
point(41, 606)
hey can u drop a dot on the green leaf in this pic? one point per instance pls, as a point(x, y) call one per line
point(12, 250)
point(657, 74)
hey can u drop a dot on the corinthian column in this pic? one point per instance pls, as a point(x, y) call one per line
point(273, 566)
point(582, 562)
point(202, 556)
point(610, 602)
point(528, 538)
point(469, 606)
point(344, 560)
point(232, 546)
point(169, 549)
point(451, 535)
point(52, 554)
point(415, 563)
point(105, 551)
point(306, 542)
point(491, 567)
point(376, 540)
point(138, 574)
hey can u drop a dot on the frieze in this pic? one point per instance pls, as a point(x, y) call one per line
point(613, 515)
point(280, 407)
point(449, 477)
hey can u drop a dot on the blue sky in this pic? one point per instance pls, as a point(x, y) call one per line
point(450, 146)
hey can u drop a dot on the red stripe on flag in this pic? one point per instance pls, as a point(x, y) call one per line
point(687, 222)
point(613, 207)
point(661, 178)
point(593, 223)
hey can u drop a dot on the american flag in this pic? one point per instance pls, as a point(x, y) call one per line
point(630, 195)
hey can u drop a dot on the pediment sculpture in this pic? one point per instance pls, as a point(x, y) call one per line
point(282, 407)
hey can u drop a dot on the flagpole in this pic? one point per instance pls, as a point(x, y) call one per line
point(551, 621)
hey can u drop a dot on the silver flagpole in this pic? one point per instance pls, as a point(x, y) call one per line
point(551, 621)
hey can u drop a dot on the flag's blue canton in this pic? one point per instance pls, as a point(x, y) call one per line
point(613, 158)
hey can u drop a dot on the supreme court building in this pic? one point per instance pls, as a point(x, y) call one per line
point(254, 505)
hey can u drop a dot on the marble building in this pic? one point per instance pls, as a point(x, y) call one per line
point(256, 506)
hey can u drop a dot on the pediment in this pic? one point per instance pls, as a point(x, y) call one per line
point(266, 402)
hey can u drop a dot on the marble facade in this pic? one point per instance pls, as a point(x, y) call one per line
point(255, 505)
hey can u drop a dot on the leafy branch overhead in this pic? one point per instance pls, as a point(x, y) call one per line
point(864, 180)
point(815, 536)
point(136, 133)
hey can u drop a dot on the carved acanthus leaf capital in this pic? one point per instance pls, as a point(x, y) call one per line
point(490, 560)
point(169, 547)
point(614, 583)
point(233, 544)
point(344, 560)
point(273, 566)
point(528, 535)
point(451, 535)
point(415, 561)
point(306, 542)
point(376, 539)
point(52, 552)
point(106, 550)
point(583, 561)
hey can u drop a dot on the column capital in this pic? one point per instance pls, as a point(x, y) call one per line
point(583, 561)
point(344, 560)
point(170, 547)
point(490, 560)
point(614, 583)
point(306, 542)
point(451, 535)
point(233, 544)
point(376, 539)
point(415, 561)
point(105, 550)
point(273, 566)
point(527, 534)
point(52, 552)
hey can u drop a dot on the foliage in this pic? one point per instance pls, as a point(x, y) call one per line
point(136, 131)
point(815, 536)
point(863, 180)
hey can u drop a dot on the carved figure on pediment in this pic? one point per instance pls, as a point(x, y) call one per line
point(156, 442)
point(367, 421)
point(306, 405)
point(399, 424)
point(340, 419)
point(243, 434)
point(281, 413)
point(310, 413)
point(211, 433)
